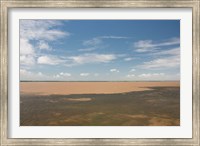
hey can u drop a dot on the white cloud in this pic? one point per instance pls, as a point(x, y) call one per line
point(87, 49)
point(25, 47)
point(95, 43)
point(31, 23)
point(43, 45)
point(113, 37)
point(143, 45)
point(132, 70)
point(149, 45)
point(169, 59)
point(128, 59)
point(49, 34)
point(92, 58)
point(98, 40)
point(84, 74)
point(130, 75)
point(40, 74)
point(165, 62)
point(114, 70)
point(150, 75)
point(41, 30)
point(76, 60)
point(49, 60)
point(96, 74)
point(27, 53)
point(56, 76)
point(24, 72)
point(157, 77)
point(92, 42)
point(65, 74)
point(62, 75)
point(27, 60)
point(174, 51)
point(28, 75)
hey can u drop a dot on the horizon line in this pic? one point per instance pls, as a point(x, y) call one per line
point(103, 81)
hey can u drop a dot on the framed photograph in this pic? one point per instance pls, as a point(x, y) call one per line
point(100, 72)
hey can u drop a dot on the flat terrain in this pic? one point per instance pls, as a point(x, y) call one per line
point(100, 104)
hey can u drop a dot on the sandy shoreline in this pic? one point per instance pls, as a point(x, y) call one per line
point(67, 88)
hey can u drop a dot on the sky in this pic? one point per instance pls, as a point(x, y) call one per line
point(99, 50)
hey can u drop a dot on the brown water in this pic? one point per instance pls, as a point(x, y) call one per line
point(67, 88)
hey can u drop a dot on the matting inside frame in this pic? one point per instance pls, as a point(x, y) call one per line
point(182, 131)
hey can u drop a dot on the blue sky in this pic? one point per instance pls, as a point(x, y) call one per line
point(100, 50)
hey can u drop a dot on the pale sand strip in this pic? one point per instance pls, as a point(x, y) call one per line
point(66, 88)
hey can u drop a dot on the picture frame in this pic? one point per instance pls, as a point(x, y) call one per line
point(5, 5)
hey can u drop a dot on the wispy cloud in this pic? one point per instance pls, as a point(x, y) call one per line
point(65, 74)
point(27, 60)
point(149, 45)
point(173, 52)
point(95, 42)
point(145, 76)
point(41, 30)
point(27, 53)
point(42, 45)
point(25, 47)
point(162, 63)
point(27, 75)
point(96, 74)
point(114, 70)
point(128, 59)
point(130, 75)
point(49, 60)
point(113, 37)
point(87, 49)
point(92, 42)
point(84, 74)
point(75, 60)
point(62, 75)
point(165, 59)
point(132, 70)
point(24, 72)
point(92, 58)
point(149, 75)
